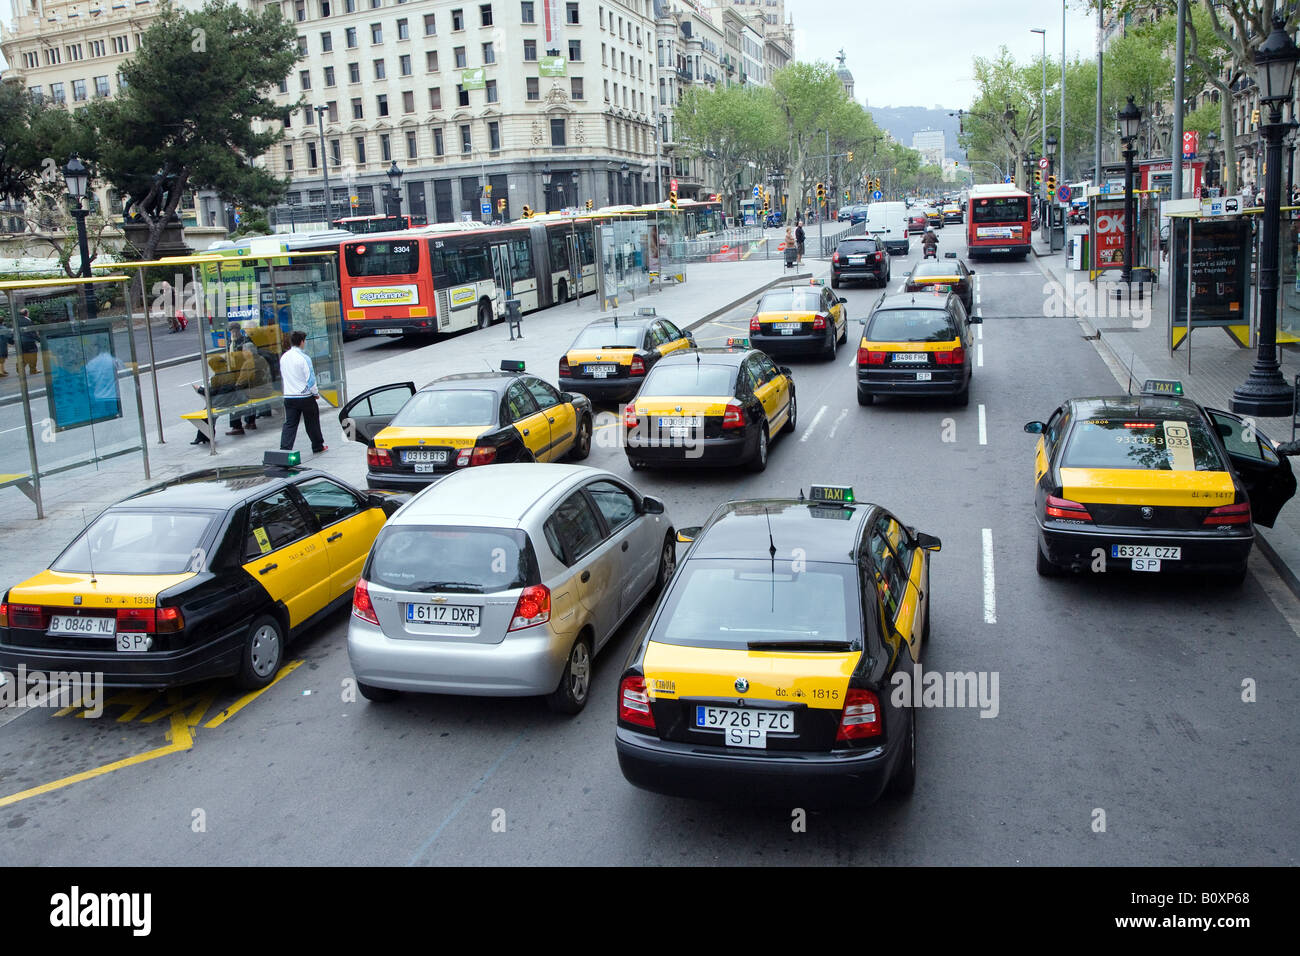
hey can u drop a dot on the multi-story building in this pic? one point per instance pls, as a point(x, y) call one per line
point(743, 56)
point(930, 143)
point(547, 111)
point(689, 47)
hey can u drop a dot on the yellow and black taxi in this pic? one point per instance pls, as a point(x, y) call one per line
point(767, 669)
point(934, 215)
point(710, 406)
point(1153, 482)
point(415, 437)
point(916, 344)
point(609, 359)
point(206, 575)
point(952, 211)
point(799, 320)
point(948, 274)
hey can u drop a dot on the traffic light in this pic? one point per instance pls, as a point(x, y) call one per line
point(487, 190)
point(1254, 116)
point(527, 211)
point(589, 204)
point(850, 156)
point(1051, 185)
point(501, 205)
point(821, 193)
point(1038, 176)
point(877, 183)
point(672, 198)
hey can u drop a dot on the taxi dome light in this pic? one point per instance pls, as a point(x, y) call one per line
point(646, 310)
point(512, 365)
point(861, 717)
point(532, 608)
point(1160, 386)
point(634, 702)
point(281, 459)
point(737, 343)
point(361, 605)
point(831, 494)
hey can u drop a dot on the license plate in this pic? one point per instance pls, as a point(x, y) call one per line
point(787, 328)
point(72, 625)
point(132, 642)
point(679, 421)
point(460, 615)
point(911, 357)
point(923, 376)
point(1146, 564)
point(601, 371)
point(857, 260)
point(744, 718)
point(425, 456)
point(426, 469)
point(1145, 551)
point(388, 331)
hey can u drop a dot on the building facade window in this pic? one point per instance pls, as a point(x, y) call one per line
point(462, 95)
point(408, 101)
point(431, 61)
point(430, 25)
point(78, 91)
point(575, 88)
point(101, 86)
point(354, 72)
point(530, 51)
point(571, 12)
point(381, 101)
point(288, 158)
point(458, 54)
point(312, 160)
point(575, 51)
point(403, 29)
point(438, 147)
point(376, 34)
point(494, 135)
point(361, 150)
point(304, 79)
point(435, 97)
point(485, 14)
point(457, 20)
point(350, 38)
point(385, 148)
point(329, 76)
point(526, 12)
point(404, 64)
point(557, 132)
point(489, 53)
point(358, 110)
point(327, 42)
point(381, 72)
point(466, 140)
point(533, 92)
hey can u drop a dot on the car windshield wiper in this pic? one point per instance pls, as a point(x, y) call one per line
point(812, 644)
point(466, 587)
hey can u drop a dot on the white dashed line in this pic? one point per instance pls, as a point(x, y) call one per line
point(836, 424)
point(979, 331)
point(990, 599)
point(816, 418)
point(984, 438)
point(979, 354)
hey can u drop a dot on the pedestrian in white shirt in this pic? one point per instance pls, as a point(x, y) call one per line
point(298, 379)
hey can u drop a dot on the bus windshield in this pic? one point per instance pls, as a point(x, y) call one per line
point(382, 258)
point(1000, 209)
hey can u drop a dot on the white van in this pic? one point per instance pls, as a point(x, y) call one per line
point(887, 221)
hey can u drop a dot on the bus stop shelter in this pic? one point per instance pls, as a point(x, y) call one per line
point(75, 395)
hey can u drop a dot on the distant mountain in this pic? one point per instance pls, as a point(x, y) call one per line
point(903, 121)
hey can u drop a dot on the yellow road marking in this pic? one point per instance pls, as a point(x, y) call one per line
point(251, 696)
point(177, 705)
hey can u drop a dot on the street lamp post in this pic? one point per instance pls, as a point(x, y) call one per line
point(1265, 392)
point(1130, 122)
point(77, 179)
point(1043, 33)
point(1051, 166)
point(324, 165)
point(577, 179)
point(546, 188)
point(393, 192)
point(623, 172)
point(1212, 161)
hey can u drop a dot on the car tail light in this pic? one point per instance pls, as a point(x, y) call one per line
point(1065, 508)
point(868, 357)
point(361, 606)
point(733, 417)
point(835, 257)
point(755, 325)
point(168, 620)
point(30, 616)
point(1229, 514)
point(137, 620)
point(630, 418)
point(638, 366)
point(955, 356)
point(880, 256)
point(565, 371)
point(478, 455)
point(819, 323)
point(634, 703)
point(532, 608)
point(379, 458)
point(860, 719)
point(4, 614)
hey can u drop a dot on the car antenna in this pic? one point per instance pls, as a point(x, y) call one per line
point(90, 548)
point(771, 550)
point(1131, 359)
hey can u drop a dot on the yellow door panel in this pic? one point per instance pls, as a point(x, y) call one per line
point(348, 542)
point(1040, 459)
point(769, 395)
point(297, 575)
point(817, 680)
point(673, 346)
point(58, 588)
point(535, 430)
point(1141, 486)
point(563, 420)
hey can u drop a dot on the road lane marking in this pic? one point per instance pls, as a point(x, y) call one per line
point(990, 599)
point(979, 354)
point(816, 418)
point(836, 424)
point(984, 438)
point(979, 331)
point(251, 696)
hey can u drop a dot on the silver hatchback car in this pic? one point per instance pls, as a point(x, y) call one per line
point(506, 580)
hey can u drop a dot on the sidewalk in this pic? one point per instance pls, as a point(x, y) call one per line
point(28, 545)
point(1209, 373)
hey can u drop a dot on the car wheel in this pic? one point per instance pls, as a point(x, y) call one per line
point(831, 340)
point(378, 695)
point(484, 314)
point(263, 652)
point(904, 780)
point(759, 461)
point(794, 411)
point(582, 444)
point(575, 683)
point(844, 335)
point(865, 398)
point(1046, 568)
point(667, 564)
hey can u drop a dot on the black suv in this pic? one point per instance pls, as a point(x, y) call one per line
point(860, 257)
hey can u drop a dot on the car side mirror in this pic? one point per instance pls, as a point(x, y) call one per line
point(1288, 449)
point(970, 270)
point(928, 542)
point(842, 301)
point(567, 397)
point(687, 535)
point(1035, 428)
point(785, 370)
point(652, 506)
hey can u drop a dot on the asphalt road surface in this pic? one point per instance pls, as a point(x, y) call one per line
point(1120, 737)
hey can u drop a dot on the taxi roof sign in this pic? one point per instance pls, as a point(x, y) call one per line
point(512, 365)
point(281, 459)
point(645, 310)
point(1162, 386)
point(831, 494)
point(735, 342)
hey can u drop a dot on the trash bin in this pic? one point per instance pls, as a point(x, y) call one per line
point(791, 256)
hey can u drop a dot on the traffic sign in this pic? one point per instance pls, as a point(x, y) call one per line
point(876, 194)
point(1042, 162)
point(1006, 179)
point(485, 208)
point(757, 192)
point(1063, 192)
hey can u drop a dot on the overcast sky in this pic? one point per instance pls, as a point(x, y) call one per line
point(918, 52)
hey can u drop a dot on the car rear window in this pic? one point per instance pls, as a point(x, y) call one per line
point(936, 270)
point(791, 300)
point(438, 408)
point(717, 603)
point(691, 378)
point(1160, 444)
point(856, 247)
point(468, 560)
point(911, 325)
point(609, 337)
point(137, 542)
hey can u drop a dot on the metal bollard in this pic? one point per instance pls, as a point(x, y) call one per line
point(513, 316)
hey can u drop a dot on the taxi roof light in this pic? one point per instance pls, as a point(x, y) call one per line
point(646, 310)
point(512, 365)
point(1163, 387)
point(831, 494)
point(274, 458)
point(737, 342)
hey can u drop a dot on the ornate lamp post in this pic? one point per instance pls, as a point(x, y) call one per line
point(1265, 393)
point(393, 191)
point(546, 188)
point(623, 172)
point(77, 179)
point(1212, 161)
point(1130, 123)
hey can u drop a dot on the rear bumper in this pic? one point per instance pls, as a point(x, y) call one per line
point(900, 382)
point(527, 663)
point(390, 326)
point(219, 657)
point(1009, 249)
point(686, 770)
point(877, 272)
point(1201, 551)
point(704, 451)
point(789, 344)
point(603, 390)
point(395, 481)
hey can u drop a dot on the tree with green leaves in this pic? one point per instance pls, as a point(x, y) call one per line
point(36, 141)
point(196, 94)
point(732, 126)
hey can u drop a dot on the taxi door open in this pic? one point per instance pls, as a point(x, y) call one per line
point(1268, 478)
point(285, 554)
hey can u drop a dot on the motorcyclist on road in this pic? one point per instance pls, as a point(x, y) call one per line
point(929, 242)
